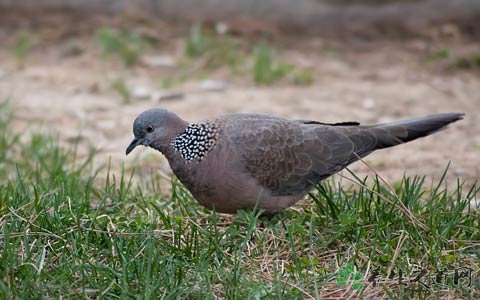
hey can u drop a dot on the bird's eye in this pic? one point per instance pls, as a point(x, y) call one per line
point(150, 128)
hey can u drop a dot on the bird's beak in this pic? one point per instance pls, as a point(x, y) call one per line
point(132, 145)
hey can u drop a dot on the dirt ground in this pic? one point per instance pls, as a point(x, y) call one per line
point(372, 81)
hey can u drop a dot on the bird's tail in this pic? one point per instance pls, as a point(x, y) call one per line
point(391, 134)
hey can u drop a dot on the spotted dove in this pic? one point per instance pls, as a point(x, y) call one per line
point(243, 161)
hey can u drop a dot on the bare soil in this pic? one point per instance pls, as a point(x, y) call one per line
point(68, 92)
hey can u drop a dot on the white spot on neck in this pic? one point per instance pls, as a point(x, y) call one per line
point(196, 141)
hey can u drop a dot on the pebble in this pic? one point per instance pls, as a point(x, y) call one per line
point(72, 48)
point(368, 103)
point(213, 85)
point(159, 61)
point(221, 28)
point(167, 95)
point(458, 172)
point(141, 93)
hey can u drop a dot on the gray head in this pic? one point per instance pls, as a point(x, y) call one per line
point(156, 128)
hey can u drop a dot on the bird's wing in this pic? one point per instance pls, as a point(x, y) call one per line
point(287, 157)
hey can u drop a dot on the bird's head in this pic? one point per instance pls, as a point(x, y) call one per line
point(155, 128)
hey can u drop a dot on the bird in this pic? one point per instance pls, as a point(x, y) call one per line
point(256, 161)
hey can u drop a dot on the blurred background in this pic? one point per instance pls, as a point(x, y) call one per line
point(83, 69)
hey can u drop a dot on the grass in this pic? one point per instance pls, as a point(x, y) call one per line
point(469, 62)
point(205, 51)
point(22, 48)
point(216, 51)
point(439, 54)
point(266, 69)
point(123, 44)
point(197, 42)
point(120, 87)
point(67, 232)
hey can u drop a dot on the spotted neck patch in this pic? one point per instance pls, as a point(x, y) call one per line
point(196, 141)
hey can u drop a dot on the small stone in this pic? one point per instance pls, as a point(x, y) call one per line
point(213, 85)
point(72, 48)
point(417, 44)
point(106, 124)
point(141, 93)
point(450, 30)
point(221, 28)
point(157, 96)
point(368, 103)
point(93, 88)
point(159, 61)
point(75, 139)
point(458, 172)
